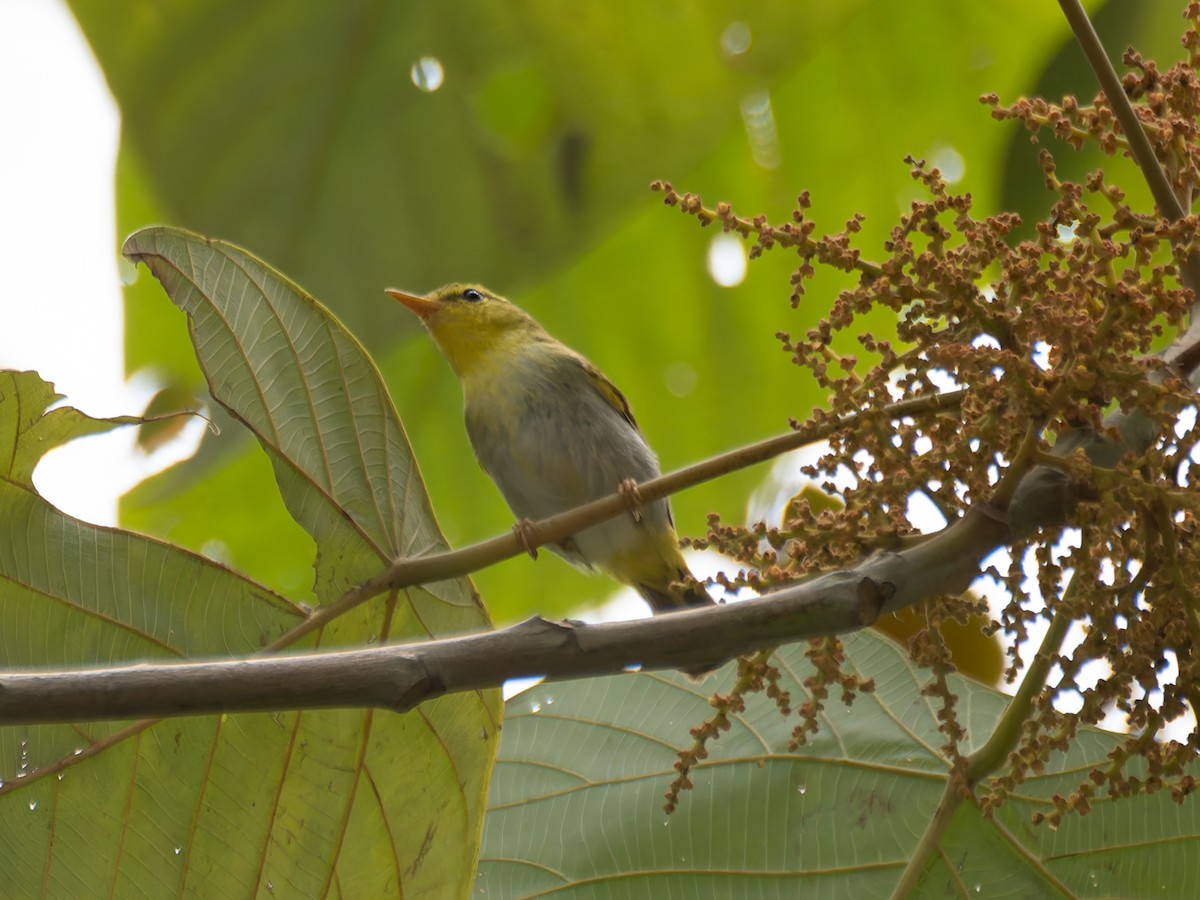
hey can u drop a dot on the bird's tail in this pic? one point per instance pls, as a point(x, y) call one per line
point(680, 596)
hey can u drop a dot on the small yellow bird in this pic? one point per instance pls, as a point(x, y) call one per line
point(554, 433)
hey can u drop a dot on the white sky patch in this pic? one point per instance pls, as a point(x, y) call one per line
point(57, 237)
point(61, 300)
point(1066, 233)
point(727, 260)
point(1185, 422)
point(1041, 355)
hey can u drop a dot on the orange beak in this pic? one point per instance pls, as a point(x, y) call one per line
point(419, 305)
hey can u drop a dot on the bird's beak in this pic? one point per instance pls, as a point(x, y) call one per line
point(422, 306)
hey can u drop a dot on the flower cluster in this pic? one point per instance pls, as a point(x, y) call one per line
point(1071, 425)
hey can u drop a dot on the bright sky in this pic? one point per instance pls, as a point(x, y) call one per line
point(60, 304)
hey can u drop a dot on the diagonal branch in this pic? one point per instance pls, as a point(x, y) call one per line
point(402, 677)
point(451, 564)
point(1183, 353)
point(1110, 83)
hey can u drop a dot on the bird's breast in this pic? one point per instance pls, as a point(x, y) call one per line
point(551, 442)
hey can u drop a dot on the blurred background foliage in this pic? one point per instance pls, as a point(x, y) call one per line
point(368, 144)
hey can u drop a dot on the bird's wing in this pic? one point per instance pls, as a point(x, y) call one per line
point(608, 391)
point(614, 398)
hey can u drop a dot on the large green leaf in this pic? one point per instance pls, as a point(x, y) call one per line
point(291, 373)
point(89, 810)
point(550, 122)
point(283, 366)
point(576, 802)
point(307, 804)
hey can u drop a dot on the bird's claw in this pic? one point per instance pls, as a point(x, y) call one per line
point(527, 533)
point(628, 489)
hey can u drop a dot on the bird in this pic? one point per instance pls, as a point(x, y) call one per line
point(553, 432)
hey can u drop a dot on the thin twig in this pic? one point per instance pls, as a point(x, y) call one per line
point(990, 756)
point(400, 677)
point(994, 754)
point(1110, 83)
point(455, 563)
point(1184, 354)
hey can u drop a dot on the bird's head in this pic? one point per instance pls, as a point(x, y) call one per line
point(469, 322)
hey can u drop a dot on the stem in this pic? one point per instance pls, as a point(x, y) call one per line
point(401, 676)
point(991, 755)
point(1018, 468)
point(952, 799)
point(1143, 154)
point(1007, 733)
point(1110, 83)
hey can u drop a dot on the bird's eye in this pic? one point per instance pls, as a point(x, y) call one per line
point(472, 295)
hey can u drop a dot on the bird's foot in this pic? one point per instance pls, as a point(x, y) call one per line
point(527, 533)
point(628, 489)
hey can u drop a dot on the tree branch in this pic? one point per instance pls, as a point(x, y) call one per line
point(401, 677)
point(1110, 83)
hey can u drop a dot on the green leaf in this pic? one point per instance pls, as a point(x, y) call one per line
point(289, 371)
point(28, 430)
point(202, 513)
point(300, 804)
point(576, 803)
point(301, 130)
point(284, 367)
point(96, 809)
point(72, 593)
point(298, 132)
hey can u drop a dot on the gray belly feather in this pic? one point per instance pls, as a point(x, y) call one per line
point(562, 455)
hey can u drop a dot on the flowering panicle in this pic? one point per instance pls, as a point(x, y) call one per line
point(1053, 341)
